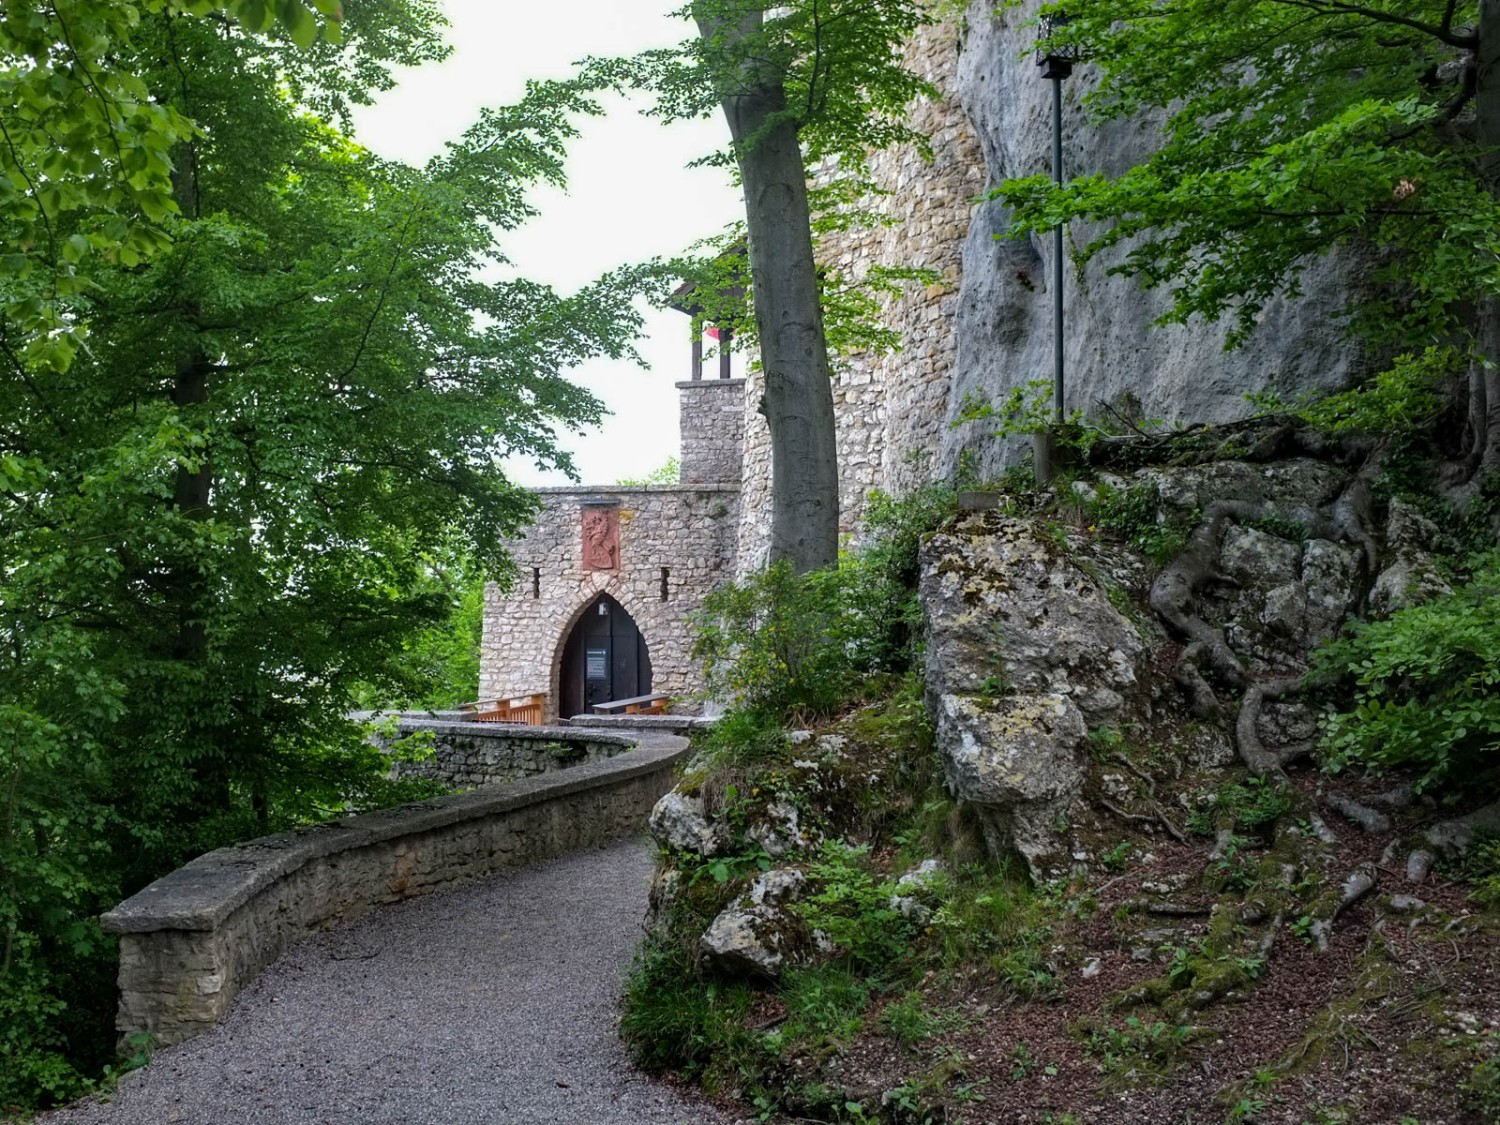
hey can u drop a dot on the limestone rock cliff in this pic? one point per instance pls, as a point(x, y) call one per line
point(1004, 318)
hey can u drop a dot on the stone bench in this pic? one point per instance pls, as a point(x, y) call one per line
point(193, 939)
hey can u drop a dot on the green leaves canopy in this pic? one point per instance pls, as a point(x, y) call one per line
point(275, 465)
point(86, 142)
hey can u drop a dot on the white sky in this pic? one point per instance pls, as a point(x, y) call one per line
point(630, 194)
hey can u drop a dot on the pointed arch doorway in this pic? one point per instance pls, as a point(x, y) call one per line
point(605, 658)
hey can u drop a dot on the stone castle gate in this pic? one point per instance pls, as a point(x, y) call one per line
point(609, 576)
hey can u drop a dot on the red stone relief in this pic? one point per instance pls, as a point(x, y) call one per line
point(601, 539)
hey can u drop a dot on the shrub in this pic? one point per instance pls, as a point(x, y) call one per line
point(1427, 684)
point(798, 647)
point(774, 642)
point(1134, 516)
point(882, 575)
point(853, 907)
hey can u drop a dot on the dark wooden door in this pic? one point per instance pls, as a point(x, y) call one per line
point(604, 659)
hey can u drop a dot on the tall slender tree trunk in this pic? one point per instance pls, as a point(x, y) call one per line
point(1484, 377)
point(192, 497)
point(798, 402)
point(193, 488)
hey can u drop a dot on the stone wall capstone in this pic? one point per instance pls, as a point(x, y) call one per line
point(468, 754)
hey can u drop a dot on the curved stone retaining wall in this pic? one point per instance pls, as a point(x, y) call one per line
point(191, 940)
point(470, 754)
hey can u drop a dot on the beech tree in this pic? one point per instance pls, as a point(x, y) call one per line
point(797, 83)
point(86, 146)
point(1298, 126)
point(223, 519)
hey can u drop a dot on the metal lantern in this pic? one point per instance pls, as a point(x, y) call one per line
point(1056, 61)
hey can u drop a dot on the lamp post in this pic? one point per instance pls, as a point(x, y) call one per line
point(1056, 63)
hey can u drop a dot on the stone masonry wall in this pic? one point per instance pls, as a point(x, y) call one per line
point(712, 429)
point(890, 410)
point(689, 530)
point(466, 755)
point(193, 939)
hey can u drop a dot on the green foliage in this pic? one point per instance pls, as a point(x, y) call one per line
point(1401, 401)
point(838, 61)
point(1135, 1045)
point(86, 171)
point(1426, 684)
point(1026, 410)
point(1481, 1089)
point(269, 489)
point(439, 663)
point(1135, 516)
point(670, 472)
point(777, 642)
point(909, 1020)
point(797, 647)
point(825, 1004)
point(745, 736)
point(882, 573)
point(1251, 805)
point(671, 1020)
point(853, 907)
point(995, 919)
point(1480, 865)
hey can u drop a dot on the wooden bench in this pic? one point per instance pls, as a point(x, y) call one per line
point(518, 709)
point(655, 704)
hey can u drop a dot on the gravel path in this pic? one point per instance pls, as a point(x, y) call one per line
point(493, 1003)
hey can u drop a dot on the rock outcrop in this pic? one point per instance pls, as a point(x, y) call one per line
point(1114, 350)
point(678, 823)
point(1025, 652)
point(1028, 654)
point(1010, 611)
point(758, 935)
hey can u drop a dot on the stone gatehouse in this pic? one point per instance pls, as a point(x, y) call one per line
point(609, 576)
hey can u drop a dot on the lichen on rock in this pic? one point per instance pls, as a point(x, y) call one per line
point(758, 934)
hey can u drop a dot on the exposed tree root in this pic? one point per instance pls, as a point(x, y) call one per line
point(1369, 819)
point(1352, 517)
point(1419, 865)
point(1398, 798)
point(1321, 830)
point(1174, 594)
point(1158, 815)
point(1202, 702)
point(1173, 909)
point(1453, 837)
point(1253, 752)
point(1222, 843)
point(1139, 818)
point(1267, 940)
point(1358, 883)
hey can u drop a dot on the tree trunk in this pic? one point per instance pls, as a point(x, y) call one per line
point(1485, 378)
point(799, 392)
point(194, 484)
point(192, 496)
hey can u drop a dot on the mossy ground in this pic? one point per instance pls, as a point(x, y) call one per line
point(1168, 981)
